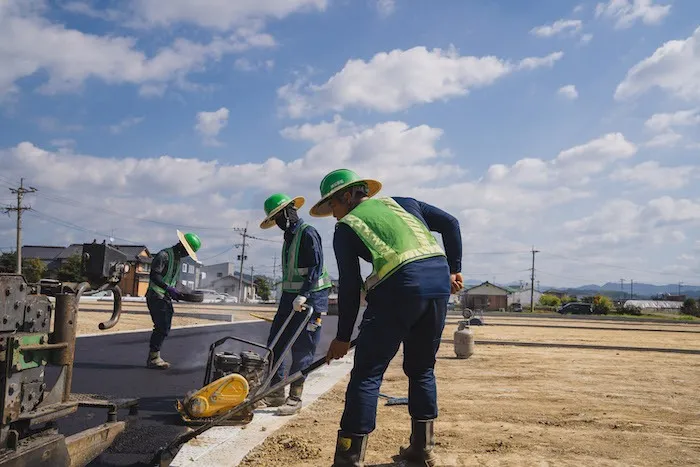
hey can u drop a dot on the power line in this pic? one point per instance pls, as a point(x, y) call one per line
point(594, 263)
point(532, 282)
point(70, 225)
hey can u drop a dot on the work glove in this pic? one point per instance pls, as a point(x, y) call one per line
point(298, 303)
point(174, 293)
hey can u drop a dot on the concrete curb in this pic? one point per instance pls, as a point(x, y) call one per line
point(229, 445)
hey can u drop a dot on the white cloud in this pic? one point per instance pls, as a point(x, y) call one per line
point(665, 121)
point(221, 14)
point(399, 79)
point(69, 57)
point(674, 68)
point(320, 131)
point(627, 12)
point(124, 124)
point(579, 8)
point(386, 7)
point(667, 139)
point(586, 38)
point(569, 91)
point(560, 26)
point(54, 125)
point(651, 174)
point(593, 157)
point(243, 64)
point(86, 9)
point(209, 124)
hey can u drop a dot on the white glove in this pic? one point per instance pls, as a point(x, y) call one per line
point(298, 302)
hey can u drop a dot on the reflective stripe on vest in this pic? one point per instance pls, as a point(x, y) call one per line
point(293, 276)
point(393, 236)
point(171, 274)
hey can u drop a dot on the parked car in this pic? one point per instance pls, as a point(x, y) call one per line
point(576, 308)
point(517, 307)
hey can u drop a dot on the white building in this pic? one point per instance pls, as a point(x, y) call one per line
point(230, 285)
point(522, 296)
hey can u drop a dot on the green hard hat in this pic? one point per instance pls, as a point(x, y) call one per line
point(191, 242)
point(274, 204)
point(336, 181)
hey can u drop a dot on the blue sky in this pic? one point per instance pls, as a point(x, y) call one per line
point(571, 126)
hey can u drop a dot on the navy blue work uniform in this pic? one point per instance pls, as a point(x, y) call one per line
point(409, 307)
point(160, 308)
point(303, 350)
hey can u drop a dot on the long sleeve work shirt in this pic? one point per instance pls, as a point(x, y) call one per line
point(426, 278)
point(310, 254)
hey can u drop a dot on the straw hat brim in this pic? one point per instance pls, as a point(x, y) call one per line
point(269, 220)
point(323, 208)
point(187, 246)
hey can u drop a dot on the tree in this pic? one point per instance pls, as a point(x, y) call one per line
point(690, 307)
point(549, 300)
point(71, 270)
point(33, 269)
point(262, 288)
point(8, 262)
point(567, 299)
point(602, 305)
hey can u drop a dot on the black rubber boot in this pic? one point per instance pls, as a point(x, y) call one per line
point(350, 450)
point(420, 452)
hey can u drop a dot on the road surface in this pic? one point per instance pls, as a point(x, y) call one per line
point(114, 365)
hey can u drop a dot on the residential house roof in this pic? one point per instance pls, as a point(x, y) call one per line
point(133, 252)
point(235, 276)
point(507, 290)
point(42, 252)
point(74, 249)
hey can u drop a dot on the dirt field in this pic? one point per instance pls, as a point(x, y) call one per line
point(129, 321)
point(508, 406)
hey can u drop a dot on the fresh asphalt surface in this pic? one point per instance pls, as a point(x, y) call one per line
point(114, 365)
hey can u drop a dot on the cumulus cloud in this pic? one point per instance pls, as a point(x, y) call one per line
point(651, 174)
point(627, 12)
point(32, 43)
point(396, 80)
point(666, 121)
point(569, 91)
point(209, 124)
point(560, 26)
point(674, 68)
point(667, 139)
point(243, 64)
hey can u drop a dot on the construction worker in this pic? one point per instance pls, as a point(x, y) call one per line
point(165, 271)
point(406, 293)
point(304, 281)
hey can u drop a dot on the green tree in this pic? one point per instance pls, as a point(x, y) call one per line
point(602, 305)
point(690, 307)
point(8, 262)
point(71, 270)
point(550, 300)
point(262, 287)
point(33, 269)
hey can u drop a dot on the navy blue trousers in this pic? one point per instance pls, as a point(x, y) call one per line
point(418, 324)
point(161, 310)
point(304, 349)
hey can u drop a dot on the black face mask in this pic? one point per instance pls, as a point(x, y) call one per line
point(287, 218)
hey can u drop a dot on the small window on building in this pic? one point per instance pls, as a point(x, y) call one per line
point(191, 269)
point(184, 267)
point(184, 283)
point(190, 284)
point(219, 274)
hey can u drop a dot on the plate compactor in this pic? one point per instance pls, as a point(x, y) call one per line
point(232, 378)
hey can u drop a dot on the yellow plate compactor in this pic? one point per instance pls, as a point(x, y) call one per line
point(232, 378)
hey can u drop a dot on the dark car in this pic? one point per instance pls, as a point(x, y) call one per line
point(516, 307)
point(576, 308)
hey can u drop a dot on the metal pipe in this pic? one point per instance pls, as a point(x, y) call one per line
point(35, 347)
point(117, 311)
point(65, 325)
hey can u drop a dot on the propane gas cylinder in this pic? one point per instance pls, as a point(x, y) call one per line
point(464, 340)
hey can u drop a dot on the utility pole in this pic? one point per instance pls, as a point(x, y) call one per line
point(252, 279)
point(274, 269)
point(242, 257)
point(679, 288)
point(532, 281)
point(20, 192)
point(631, 289)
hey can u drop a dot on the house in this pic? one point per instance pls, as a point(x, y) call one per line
point(213, 272)
point(46, 254)
point(230, 284)
point(191, 273)
point(135, 282)
point(522, 296)
point(486, 296)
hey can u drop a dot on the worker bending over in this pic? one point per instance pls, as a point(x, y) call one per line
point(165, 271)
point(407, 295)
point(304, 281)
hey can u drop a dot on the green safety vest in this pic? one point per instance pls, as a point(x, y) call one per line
point(171, 274)
point(294, 276)
point(393, 236)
